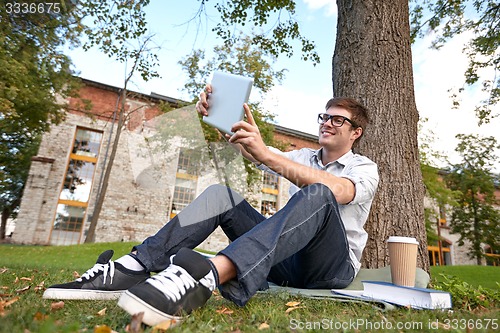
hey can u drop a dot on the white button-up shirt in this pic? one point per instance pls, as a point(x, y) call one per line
point(363, 172)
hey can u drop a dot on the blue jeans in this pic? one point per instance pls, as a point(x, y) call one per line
point(303, 245)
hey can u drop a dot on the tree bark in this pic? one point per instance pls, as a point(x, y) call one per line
point(3, 224)
point(372, 63)
point(90, 238)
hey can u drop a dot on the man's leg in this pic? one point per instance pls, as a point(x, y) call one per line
point(186, 279)
point(305, 232)
point(187, 282)
point(108, 279)
point(302, 245)
point(216, 206)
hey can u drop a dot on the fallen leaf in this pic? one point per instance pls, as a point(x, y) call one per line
point(101, 312)
point(76, 275)
point(57, 306)
point(290, 304)
point(9, 302)
point(264, 326)
point(102, 329)
point(4, 304)
point(22, 290)
point(40, 286)
point(3, 270)
point(293, 308)
point(39, 316)
point(216, 295)
point(443, 326)
point(26, 279)
point(224, 311)
point(164, 325)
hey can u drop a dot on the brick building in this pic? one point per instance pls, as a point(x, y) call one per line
point(449, 252)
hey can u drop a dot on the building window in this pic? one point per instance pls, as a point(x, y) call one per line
point(492, 256)
point(270, 192)
point(77, 185)
point(435, 259)
point(186, 180)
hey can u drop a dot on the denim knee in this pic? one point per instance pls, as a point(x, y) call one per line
point(216, 190)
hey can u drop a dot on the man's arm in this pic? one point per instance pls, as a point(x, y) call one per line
point(301, 175)
point(247, 136)
point(248, 141)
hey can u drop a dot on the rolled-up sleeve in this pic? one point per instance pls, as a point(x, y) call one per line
point(364, 175)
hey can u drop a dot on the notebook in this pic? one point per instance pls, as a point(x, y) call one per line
point(229, 92)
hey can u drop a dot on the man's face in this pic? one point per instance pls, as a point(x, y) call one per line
point(335, 137)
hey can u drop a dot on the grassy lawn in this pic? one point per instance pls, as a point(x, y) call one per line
point(485, 276)
point(26, 270)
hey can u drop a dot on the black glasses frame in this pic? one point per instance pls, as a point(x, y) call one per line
point(321, 119)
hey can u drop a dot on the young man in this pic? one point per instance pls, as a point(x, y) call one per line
point(314, 241)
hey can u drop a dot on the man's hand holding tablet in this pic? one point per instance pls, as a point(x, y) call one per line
point(228, 93)
point(244, 135)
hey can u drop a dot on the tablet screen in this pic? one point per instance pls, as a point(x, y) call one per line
point(229, 93)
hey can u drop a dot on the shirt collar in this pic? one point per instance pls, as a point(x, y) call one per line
point(341, 160)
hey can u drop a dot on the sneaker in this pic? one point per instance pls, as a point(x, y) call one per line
point(107, 280)
point(185, 285)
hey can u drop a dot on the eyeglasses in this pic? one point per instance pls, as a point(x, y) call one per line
point(336, 120)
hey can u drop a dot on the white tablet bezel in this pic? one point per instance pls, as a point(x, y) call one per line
point(229, 93)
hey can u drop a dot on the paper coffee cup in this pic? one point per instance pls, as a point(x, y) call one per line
point(403, 260)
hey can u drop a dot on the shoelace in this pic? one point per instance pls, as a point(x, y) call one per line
point(173, 282)
point(105, 268)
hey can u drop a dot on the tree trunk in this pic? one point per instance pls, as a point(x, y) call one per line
point(372, 63)
point(3, 224)
point(107, 173)
point(476, 240)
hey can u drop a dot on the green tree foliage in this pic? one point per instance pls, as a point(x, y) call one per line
point(33, 69)
point(475, 218)
point(34, 75)
point(278, 15)
point(450, 18)
point(16, 151)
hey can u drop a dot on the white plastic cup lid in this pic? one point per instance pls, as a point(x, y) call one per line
point(400, 239)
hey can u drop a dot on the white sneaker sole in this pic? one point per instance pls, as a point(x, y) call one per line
point(79, 294)
point(152, 316)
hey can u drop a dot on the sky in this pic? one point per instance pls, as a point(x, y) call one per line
point(305, 86)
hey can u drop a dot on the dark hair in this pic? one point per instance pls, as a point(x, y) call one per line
point(357, 110)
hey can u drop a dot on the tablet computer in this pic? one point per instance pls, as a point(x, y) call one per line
point(229, 92)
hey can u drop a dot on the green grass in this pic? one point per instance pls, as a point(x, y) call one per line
point(76, 257)
point(38, 267)
point(485, 276)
